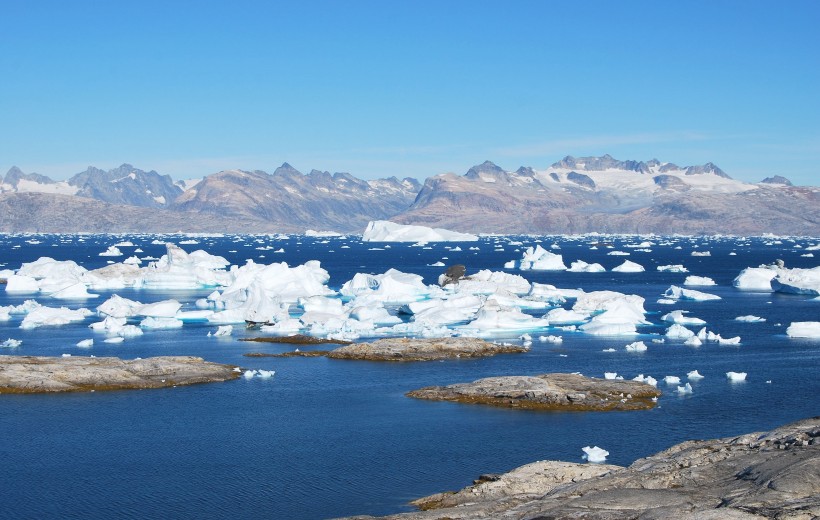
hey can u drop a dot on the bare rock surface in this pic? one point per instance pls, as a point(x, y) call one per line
point(409, 349)
point(39, 374)
point(547, 392)
point(773, 474)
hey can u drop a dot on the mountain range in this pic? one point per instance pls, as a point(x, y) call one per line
point(573, 195)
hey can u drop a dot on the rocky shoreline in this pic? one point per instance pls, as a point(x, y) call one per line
point(570, 392)
point(411, 349)
point(40, 374)
point(773, 474)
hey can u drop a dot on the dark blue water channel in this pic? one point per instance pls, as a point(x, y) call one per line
point(327, 438)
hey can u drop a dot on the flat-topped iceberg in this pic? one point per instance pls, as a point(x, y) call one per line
point(386, 231)
point(678, 293)
point(804, 329)
point(539, 259)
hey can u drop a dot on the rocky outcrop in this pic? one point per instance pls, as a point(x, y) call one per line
point(38, 374)
point(571, 392)
point(774, 474)
point(407, 349)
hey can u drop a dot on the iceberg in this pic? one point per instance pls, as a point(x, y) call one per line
point(119, 307)
point(750, 319)
point(678, 293)
point(671, 380)
point(804, 329)
point(11, 343)
point(736, 376)
point(677, 268)
point(493, 318)
point(685, 390)
point(86, 343)
point(677, 331)
point(162, 309)
point(756, 278)
point(539, 259)
point(594, 454)
point(694, 341)
point(579, 266)
point(628, 267)
point(51, 316)
point(679, 318)
point(111, 251)
point(798, 281)
point(21, 284)
point(694, 375)
point(649, 380)
point(386, 231)
point(698, 280)
point(638, 346)
point(160, 323)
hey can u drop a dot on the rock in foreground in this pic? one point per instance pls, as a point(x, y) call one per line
point(571, 392)
point(407, 349)
point(753, 476)
point(38, 374)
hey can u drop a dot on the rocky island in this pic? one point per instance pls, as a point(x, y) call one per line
point(571, 392)
point(753, 476)
point(40, 374)
point(412, 349)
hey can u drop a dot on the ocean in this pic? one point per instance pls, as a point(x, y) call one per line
point(325, 438)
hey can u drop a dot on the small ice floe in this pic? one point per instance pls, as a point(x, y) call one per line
point(223, 330)
point(804, 329)
point(729, 341)
point(666, 301)
point(694, 341)
point(111, 251)
point(694, 375)
point(673, 268)
point(678, 293)
point(701, 253)
point(594, 454)
point(750, 319)
point(638, 346)
point(132, 260)
point(610, 375)
point(735, 377)
point(609, 350)
point(66, 355)
point(671, 380)
point(11, 343)
point(678, 317)
point(617, 253)
point(86, 343)
point(685, 390)
point(437, 264)
point(551, 339)
point(116, 339)
point(678, 331)
point(649, 380)
point(261, 374)
point(698, 280)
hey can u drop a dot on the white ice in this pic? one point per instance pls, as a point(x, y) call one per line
point(678, 293)
point(594, 454)
point(698, 280)
point(628, 267)
point(804, 329)
point(736, 376)
point(385, 231)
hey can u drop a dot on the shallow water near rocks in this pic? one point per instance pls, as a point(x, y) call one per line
point(326, 438)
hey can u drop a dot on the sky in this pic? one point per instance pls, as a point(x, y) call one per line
point(408, 88)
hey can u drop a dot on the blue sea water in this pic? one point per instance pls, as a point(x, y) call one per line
point(326, 438)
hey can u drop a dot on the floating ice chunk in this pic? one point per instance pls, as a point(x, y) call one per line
point(560, 316)
point(609, 350)
point(594, 454)
point(579, 266)
point(551, 339)
point(539, 259)
point(649, 380)
point(115, 339)
point(86, 343)
point(701, 253)
point(162, 309)
point(126, 243)
point(679, 293)
point(50, 316)
point(756, 278)
point(678, 317)
point(224, 330)
point(21, 284)
point(618, 253)
point(248, 374)
point(111, 251)
point(804, 329)
point(265, 374)
point(610, 375)
point(671, 380)
point(77, 291)
point(393, 286)
point(492, 282)
point(11, 343)
point(677, 331)
point(493, 318)
point(638, 346)
point(677, 268)
point(694, 375)
point(132, 260)
point(685, 390)
point(736, 376)
point(750, 319)
point(666, 301)
point(798, 281)
point(628, 267)
point(698, 280)
point(694, 341)
point(457, 308)
point(509, 265)
point(66, 355)
point(437, 264)
point(385, 231)
point(729, 341)
point(160, 323)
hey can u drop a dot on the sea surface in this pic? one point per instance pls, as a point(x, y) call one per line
point(326, 438)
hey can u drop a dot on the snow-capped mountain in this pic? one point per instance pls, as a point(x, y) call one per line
point(603, 194)
point(317, 200)
point(573, 195)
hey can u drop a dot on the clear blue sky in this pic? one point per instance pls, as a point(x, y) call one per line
point(408, 88)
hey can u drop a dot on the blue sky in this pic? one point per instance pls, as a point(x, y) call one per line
point(408, 88)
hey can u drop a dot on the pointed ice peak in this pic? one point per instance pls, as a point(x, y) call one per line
point(706, 168)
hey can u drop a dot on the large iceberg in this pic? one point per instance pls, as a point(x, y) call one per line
point(804, 329)
point(539, 259)
point(386, 231)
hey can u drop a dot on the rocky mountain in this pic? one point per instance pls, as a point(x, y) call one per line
point(573, 195)
point(126, 185)
point(603, 194)
point(317, 200)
